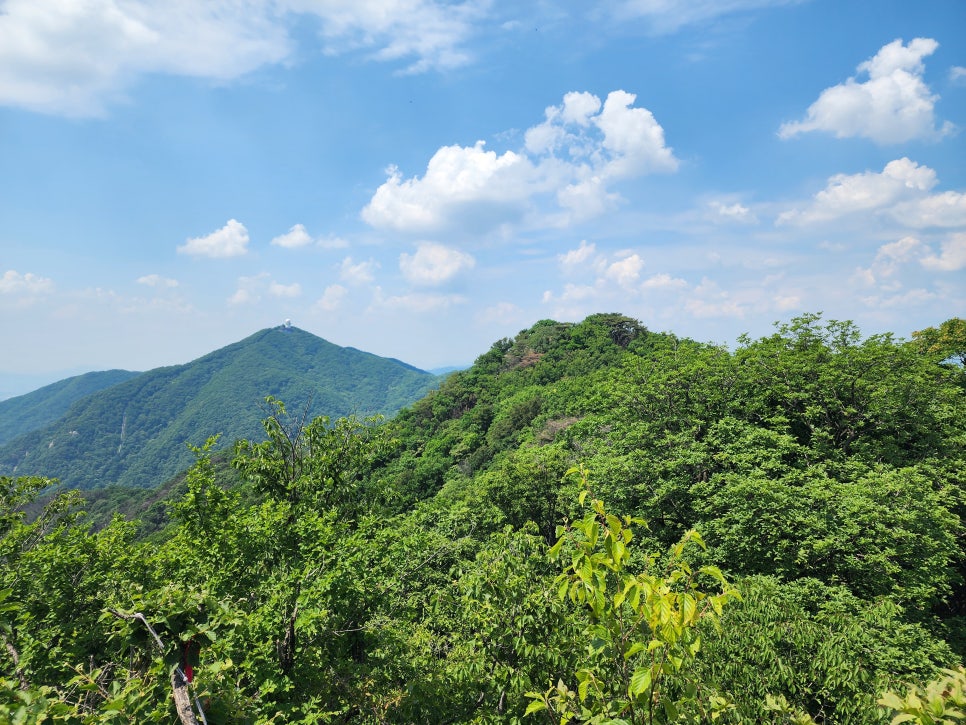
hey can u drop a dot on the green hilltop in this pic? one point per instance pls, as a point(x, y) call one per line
point(137, 431)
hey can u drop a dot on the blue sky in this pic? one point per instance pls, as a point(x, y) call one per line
point(419, 178)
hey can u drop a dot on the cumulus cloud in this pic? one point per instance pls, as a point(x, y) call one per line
point(294, 238)
point(894, 105)
point(957, 74)
point(894, 261)
point(606, 279)
point(358, 272)
point(900, 180)
point(434, 264)
point(156, 280)
point(889, 260)
point(571, 160)
point(952, 256)
point(14, 283)
point(75, 58)
point(625, 272)
point(229, 241)
point(459, 183)
point(332, 298)
point(947, 209)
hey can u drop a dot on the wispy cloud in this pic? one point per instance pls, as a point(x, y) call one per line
point(14, 283)
point(668, 16)
point(76, 58)
point(156, 280)
point(358, 272)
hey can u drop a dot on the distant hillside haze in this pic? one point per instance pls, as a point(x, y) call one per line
point(136, 432)
point(45, 405)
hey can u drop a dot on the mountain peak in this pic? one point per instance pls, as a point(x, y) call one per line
point(137, 431)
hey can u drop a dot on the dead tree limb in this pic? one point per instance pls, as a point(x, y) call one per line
point(179, 683)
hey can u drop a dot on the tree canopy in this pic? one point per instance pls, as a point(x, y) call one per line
point(594, 523)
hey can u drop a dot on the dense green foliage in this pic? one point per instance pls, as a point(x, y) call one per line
point(594, 523)
point(134, 434)
point(26, 413)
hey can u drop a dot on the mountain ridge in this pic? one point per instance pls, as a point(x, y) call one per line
point(137, 432)
point(37, 408)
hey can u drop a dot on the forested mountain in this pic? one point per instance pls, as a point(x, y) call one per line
point(593, 523)
point(136, 433)
point(45, 405)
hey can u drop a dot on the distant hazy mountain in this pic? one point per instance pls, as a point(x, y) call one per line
point(35, 410)
point(135, 432)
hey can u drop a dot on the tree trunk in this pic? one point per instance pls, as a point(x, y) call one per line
point(182, 700)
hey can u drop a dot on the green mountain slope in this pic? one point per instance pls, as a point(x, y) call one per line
point(136, 433)
point(41, 407)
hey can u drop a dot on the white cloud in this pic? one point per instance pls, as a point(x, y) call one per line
point(14, 283)
point(947, 209)
point(625, 272)
point(461, 183)
point(434, 264)
point(910, 298)
point(285, 290)
point(418, 302)
point(229, 241)
point(957, 74)
point(249, 289)
point(156, 280)
point(894, 105)
point(573, 293)
point(75, 58)
point(577, 258)
point(294, 238)
point(332, 298)
point(358, 273)
point(430, 31)
point(845, 194)
point(894, 261)
point(889, 260)
point(736, 212)
point(952, 258)
point(663, 281)
point(572, 158)
point(633, 137)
